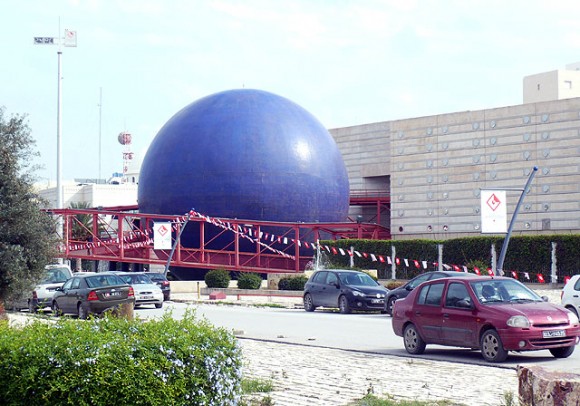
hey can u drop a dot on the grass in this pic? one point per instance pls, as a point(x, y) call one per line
point(253, 386)
point(372, 400)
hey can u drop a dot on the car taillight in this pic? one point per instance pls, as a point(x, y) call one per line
point(165, 283)
point(131, 292)
point(92, 296)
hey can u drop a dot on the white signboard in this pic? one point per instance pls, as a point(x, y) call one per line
point(493, 211)
point(162, 236)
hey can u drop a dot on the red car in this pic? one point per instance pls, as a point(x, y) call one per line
point(495, 315)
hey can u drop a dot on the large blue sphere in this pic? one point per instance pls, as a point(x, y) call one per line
point(245, 154)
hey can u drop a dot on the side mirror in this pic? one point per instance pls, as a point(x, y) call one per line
point(409, 288)
point(59, 289)
point(545, 298)
point(336, 285)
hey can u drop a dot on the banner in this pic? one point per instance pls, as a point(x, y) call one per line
point(493, 211)
point(162, 235)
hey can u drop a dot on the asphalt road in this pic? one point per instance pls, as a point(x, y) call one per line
point(370, 333)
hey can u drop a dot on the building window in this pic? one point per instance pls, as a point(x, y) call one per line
point(568, 84)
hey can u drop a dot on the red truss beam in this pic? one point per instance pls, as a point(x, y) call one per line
point(121, 234)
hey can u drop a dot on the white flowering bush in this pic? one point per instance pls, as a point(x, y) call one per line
point(112, 361)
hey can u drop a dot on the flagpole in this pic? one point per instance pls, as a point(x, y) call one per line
point(512, 222)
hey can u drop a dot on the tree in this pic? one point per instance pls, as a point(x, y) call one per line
point(28, 241)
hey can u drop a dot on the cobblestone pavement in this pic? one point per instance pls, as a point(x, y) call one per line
point(305, 375)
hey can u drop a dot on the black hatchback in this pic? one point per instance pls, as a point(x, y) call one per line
point(162, 282)
point(348, 290)
point(403, 291)
point(91, 293)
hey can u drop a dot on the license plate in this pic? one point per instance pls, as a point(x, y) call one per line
point(553, 333)
point(146, 297)
point(377, 301)
point(109, 294)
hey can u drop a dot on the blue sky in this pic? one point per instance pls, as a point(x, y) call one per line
point(348, 62)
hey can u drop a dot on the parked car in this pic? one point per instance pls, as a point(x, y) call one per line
point(41, 296)
point(348, 290)
point(146, 291)
point(162, 282)
point(402, 291)
point(571, 295)
point(91, 293)
point(495, 315)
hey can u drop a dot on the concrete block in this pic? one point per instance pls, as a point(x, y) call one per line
point(540, 387)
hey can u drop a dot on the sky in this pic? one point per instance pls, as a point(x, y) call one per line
point(348, 62)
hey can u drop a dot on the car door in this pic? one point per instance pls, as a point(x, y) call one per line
point(458, 323)
point(315, 287)
point(331, 290)
point(66, 299)
point(427, 311)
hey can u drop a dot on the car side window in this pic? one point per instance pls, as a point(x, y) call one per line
point(434, 294)
point(68, 283)
point(455, 293)
point(577, 285)
point(76, 283)
point(331, 279)
point(319, 277)
point(417, 281)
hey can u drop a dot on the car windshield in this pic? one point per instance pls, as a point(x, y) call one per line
point(503, 291)
point(55, 275)
point(99, 281)
point(357, 279)
point(136, 279)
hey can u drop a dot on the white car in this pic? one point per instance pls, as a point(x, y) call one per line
point(41, 297)
point(146, 291)
point(571, 295)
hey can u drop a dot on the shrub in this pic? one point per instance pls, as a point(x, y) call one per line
point(217, 278)
point(108, 360)
point(249, 281)
point(392, 284)
point(292, 283)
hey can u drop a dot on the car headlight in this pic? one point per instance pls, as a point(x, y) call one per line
point(518, 321)
point(357, 293)
point(573, 318)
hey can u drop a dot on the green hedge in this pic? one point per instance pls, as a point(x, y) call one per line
point(110, 361)
point(249, 280)
point(530, 254)
point(218, 278)
point(292, 283)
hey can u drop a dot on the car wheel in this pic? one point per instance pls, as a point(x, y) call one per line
point(414, 344)
point(573, 310)
point(309, 303)
point(562, 352)
point(343, 304)
point(390, 304)
point(492, 347)
point(158, 305)
point(82, 312)
point(55, 309)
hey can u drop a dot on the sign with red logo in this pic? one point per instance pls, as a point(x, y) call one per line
point(493, 211)
point(162, 236)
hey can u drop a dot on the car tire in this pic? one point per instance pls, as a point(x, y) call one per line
point(390, 303)
point(492, 347)
point(309, 303)
point(562, 352)
point(82, 312)
point(158, 305)
point(343, 305)
point(56, 309)
point(414, 344)
point(573, 310)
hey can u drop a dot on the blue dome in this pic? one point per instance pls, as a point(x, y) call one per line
point(245, 154)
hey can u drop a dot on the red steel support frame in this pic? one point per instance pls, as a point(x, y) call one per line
point(121, 234)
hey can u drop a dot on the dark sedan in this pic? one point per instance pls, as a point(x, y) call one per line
point(495, 315)
point(348, 290)
point(162, 282)
point(91, 293)
point(402, 291)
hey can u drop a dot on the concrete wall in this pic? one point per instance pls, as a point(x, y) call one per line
point(439, 164)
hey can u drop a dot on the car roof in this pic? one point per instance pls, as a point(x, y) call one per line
point(340, 270)
point(475, 278)
point(87, 274)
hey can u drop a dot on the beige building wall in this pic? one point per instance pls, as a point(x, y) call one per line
point(439, 164)
point(554, 85)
